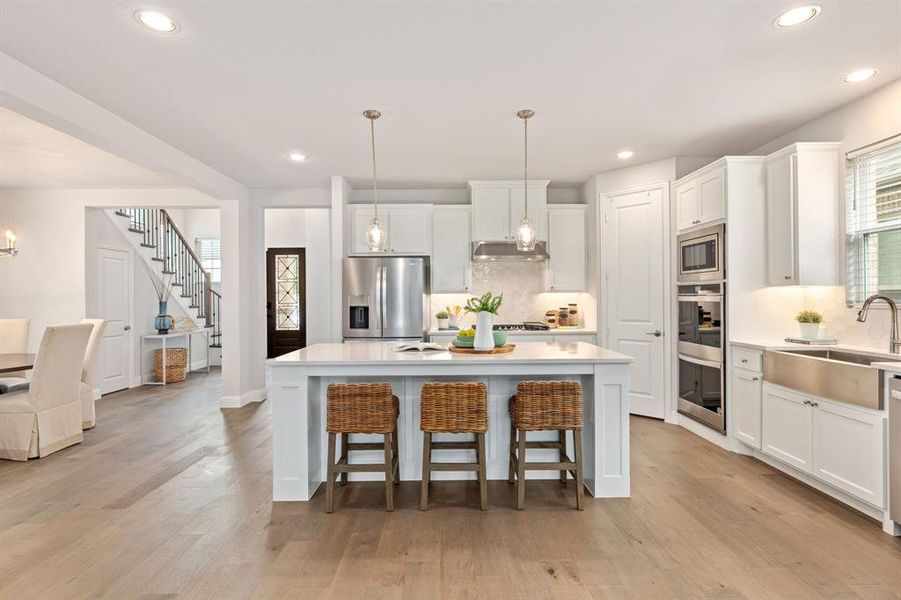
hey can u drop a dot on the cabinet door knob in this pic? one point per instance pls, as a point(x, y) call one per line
point(755, 378)
point(744, 361)
point(788, 277)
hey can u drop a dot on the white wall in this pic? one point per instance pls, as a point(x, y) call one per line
point(869, 119)
point(46, 281)
point(306, 228)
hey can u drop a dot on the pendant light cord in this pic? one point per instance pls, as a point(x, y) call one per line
point(375, 185)
point(525, 170)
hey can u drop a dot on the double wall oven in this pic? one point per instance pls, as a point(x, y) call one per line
point(701, 299)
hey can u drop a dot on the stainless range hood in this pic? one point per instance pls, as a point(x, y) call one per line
point(506, 251)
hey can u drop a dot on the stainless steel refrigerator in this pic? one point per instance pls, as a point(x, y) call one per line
point(386, 298)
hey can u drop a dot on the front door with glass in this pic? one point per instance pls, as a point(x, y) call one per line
point(285, 300)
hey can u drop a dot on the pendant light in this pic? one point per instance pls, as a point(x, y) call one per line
point(375, 235)
point(525, 233)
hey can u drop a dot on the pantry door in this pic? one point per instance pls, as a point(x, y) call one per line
point(633, 246)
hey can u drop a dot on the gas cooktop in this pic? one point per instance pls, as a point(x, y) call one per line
point(527, 326)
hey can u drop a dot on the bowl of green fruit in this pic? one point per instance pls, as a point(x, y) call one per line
point(465, 338)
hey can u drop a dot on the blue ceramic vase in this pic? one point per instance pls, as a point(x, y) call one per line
point(163, 322)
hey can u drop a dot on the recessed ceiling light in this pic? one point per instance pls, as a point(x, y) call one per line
point(859, 75)
point(297, 156)
point(624, 154)
point(156, 21)
point(796, 16)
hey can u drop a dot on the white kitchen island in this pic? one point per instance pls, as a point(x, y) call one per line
point(299, 380)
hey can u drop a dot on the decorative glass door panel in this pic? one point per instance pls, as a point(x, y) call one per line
point(286, 306)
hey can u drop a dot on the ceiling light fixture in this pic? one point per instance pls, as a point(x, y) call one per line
point(156, 21)
point(297, 156)
point(859, 75)
point(624, 154)
point(525, 233)
point(375, 235)
point(796, 16)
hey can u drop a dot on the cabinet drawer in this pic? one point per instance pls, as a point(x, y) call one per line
point(745, 358)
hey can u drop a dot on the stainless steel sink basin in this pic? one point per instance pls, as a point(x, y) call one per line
point(840, 356)
point(834, 374)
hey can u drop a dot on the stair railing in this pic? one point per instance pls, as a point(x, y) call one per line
point(160, 233)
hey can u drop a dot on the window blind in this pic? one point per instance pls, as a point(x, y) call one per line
point(873, 204)
point(210, 254)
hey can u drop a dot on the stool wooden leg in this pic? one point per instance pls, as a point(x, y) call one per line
point(389, 474)
point(521, 471)
point(577, 451)
point(483, 472)
point(561, 438)
point(396, 467)
point(511, 452)
point(426, 469)
point(345, 440)
point(330, 471)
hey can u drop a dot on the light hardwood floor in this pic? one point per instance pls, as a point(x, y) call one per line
point(169, 497)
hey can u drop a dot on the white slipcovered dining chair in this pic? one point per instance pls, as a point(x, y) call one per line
point(88, 369)
point(47, 417)
point(13, 340)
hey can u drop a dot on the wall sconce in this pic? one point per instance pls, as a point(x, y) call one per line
point(10, 249)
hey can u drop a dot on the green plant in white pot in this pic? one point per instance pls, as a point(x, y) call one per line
point(442, 318)
point(485, 309)
point(809, 321)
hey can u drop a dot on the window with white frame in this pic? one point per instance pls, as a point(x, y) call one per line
point(210, 254)
point(874, 222)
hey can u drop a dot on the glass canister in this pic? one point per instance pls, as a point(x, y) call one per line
point(550, 319)
point(575, 318)
point(563, 316)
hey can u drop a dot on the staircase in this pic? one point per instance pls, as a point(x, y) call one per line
point(168, 247)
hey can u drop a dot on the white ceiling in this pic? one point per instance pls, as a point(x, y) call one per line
point(242, 83)
point(33, 155)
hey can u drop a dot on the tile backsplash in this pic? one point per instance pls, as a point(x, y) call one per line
point(522, 284)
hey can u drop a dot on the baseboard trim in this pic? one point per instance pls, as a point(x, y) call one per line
point(714, 437)
point(243, 400)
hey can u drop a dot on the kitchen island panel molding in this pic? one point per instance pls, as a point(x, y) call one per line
point(299, 382)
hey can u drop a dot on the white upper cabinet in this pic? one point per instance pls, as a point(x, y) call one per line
point(498, 207)
point(451, 249)
point(701, 199)
point(566, 245)
point(408, 228)
point(802, 205)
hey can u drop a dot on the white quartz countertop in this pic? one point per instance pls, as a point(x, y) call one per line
point(370, 353)
point(892, 361)
point(550, 332)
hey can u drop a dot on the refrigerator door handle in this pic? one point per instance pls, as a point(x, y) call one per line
point(383, 293)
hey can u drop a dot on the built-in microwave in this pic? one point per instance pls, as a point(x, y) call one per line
point(701, 255)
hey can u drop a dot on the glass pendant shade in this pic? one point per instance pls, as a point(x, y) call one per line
point(375, 236)
point(525, 235)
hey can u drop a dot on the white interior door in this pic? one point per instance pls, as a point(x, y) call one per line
point(114, 284)
point(634, 245)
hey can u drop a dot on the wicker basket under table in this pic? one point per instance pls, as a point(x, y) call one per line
point(176, 364)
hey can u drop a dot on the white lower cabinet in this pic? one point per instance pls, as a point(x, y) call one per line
point(839, 444)
point(787, 428)
point(746, 387)
point(848, 450)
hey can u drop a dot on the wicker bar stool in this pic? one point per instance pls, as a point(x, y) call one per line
point(540, 406)
point(454, 408)
point(361, 408)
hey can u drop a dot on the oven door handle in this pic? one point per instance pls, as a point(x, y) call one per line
point(701, 361)
point(701, 298)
